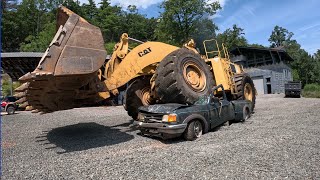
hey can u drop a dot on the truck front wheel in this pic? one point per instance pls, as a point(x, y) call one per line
point(194, 130)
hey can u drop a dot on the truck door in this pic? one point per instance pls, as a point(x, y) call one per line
point(214, 112)
point(226, 111)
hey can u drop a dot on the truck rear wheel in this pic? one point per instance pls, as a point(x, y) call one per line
point(182, 77)
point(246, 89)
point(137, 94)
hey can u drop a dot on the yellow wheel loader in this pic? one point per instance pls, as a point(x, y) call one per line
point(74, 71)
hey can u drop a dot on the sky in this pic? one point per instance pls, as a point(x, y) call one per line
point(257, 18)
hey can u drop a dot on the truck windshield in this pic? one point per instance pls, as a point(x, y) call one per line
point(203, 100)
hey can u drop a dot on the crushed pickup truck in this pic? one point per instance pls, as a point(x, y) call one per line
point(191, 121)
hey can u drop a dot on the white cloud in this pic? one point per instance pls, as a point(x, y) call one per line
point(308, 27)
point(222, 4)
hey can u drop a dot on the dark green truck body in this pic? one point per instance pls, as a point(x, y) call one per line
point(209, 110)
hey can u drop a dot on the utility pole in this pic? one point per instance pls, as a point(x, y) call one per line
point(11, 87)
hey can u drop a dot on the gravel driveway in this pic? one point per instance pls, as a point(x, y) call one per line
point(281, 140)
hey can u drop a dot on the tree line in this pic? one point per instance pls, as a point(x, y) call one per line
point(29, 25)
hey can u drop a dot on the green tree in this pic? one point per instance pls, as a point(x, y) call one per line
point(28, 19)
point(10, 26)
point(8, 5)
point(110, 19)
point(138, 26)
point(74, 6)
point(90, 11)
point(232, 37)
point(303, 64)
point(32, 16)
point(256, 45)
point(280, 37)
point(316, 67)
point(40, 42)
point(317, 55)
point(6, 85)
point(304, 67)
point(205, 30)
point(180, 18)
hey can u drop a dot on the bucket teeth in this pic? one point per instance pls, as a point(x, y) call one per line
point(35, 76)
point(29, 108)
point(21, 100)
point(35, 111)
point(22, 88)
point(20, 94)
point(24, 105)
point(26, 77)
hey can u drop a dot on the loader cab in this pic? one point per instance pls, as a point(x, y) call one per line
point(223, 69)
point(213, 50)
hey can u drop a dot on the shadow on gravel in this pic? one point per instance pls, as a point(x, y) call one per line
point(82, 136)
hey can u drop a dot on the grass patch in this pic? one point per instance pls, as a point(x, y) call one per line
point(311, 91)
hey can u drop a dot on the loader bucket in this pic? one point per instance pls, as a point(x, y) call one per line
point(67, 72)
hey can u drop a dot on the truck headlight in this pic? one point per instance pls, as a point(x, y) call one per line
point(140, 116)
point(169, 118)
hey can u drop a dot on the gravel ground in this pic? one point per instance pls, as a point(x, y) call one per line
point(281, 140)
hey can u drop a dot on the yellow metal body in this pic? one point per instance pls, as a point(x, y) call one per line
point(221, 65)
point(142, 60)
point(73, 70)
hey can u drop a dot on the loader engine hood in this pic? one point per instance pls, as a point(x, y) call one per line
point(162, 108)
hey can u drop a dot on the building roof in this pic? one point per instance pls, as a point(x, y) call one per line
point(16, 64)
point(245, 50)
point(21, 54)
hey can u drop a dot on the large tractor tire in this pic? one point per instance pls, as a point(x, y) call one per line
point(246, 89)
point(137, 94)
point(182, 77)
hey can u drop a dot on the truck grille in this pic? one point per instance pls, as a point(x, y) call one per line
point(153, 117)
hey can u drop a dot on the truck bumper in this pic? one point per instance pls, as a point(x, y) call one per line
point(156, 128)
point(292, 93)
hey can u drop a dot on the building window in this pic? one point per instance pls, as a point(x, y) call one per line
point(286, 73)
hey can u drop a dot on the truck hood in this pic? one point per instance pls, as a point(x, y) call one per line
point(162, 108)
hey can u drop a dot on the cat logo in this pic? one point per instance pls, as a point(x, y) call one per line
point(144, 52)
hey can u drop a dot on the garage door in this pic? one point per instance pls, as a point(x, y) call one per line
point(258, 83)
